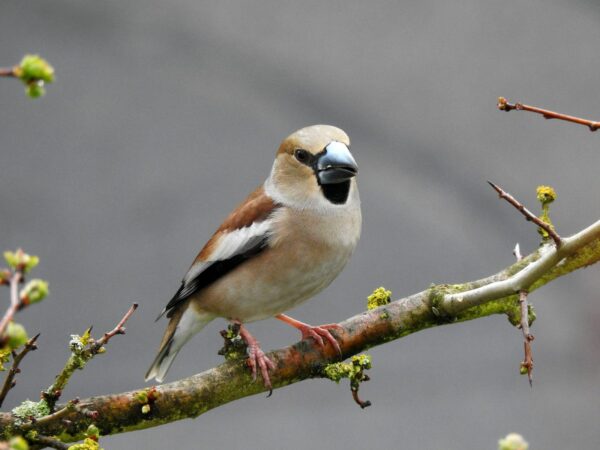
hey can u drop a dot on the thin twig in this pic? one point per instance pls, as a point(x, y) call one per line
point(78, 361)
point(119, 329)
point(55, 417)
point(48, 441)
point(9, 382)
point(7, 72)
point(354, 389)
point(527, 336)
point(527, 363)
point(517, 252)
point(15, 301)
point(504, 105)
point(528, 214)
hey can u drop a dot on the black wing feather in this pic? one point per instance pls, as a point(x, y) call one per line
point(212, 273)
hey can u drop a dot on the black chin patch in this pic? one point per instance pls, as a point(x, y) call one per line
point(336, 193)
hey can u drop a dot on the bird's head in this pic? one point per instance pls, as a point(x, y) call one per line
point(314, 168)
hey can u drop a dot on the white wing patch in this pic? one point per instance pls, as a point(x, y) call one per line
point(230, 244)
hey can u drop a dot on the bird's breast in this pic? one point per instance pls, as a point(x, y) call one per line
point(305, 254)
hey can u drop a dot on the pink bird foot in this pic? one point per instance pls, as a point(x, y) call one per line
point(257, 359)
point(317, 333)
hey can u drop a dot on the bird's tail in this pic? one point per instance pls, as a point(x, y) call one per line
point(183, 325)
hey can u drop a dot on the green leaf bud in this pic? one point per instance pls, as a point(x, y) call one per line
point(17, 335)
point(18, 443)
point(34, 67)
point(513, 441)
point(35, 89)
point(93, 432)
point(20, 260)
point(34, 291)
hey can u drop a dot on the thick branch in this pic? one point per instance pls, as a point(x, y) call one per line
point(437, 305)
point(537, 269)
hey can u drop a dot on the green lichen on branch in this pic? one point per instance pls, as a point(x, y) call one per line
point(28, 410)
point(352, 370)
point(82, 350)
point(91, 440)
point(437, 293)
point(234, 347)
point(545, 195)
point(507, 305)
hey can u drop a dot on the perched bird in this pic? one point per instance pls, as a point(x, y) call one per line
point(285, 243)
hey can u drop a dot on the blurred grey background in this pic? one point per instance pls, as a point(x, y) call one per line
point(165, 114)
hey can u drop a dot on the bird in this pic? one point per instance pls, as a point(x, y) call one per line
point(287, 241)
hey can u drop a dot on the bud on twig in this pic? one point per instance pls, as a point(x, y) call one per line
point(34, 291)
point(513, 441)
point(16, 334)
point(34, 72)
point(19, 260)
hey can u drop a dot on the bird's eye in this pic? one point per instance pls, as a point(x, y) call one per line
point(302, 155)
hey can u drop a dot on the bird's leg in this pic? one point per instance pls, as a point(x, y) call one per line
point(257, 358)
point(317, 333)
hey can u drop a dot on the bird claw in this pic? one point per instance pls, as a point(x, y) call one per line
point(257, 359)
point(320, 332)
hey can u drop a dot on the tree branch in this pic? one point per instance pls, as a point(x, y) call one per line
point(438, 305)
point(118, 329)
point(7, 72)
point(504, 105)
point(527, 364)
point(9, 382)
point(47, 441)
point(81, 353)
point(529, 216)
point(15, 301)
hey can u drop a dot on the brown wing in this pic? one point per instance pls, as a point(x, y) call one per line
point(257, 207)
point(243, 235)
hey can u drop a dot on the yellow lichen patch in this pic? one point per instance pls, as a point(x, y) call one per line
point(87, 444)
point(546, 194)
point(380, 296)
point(352, 370)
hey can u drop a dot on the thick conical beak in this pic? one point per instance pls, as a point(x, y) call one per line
point(335, 164)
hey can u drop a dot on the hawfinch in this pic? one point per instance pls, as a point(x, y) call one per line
point(286, 242)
